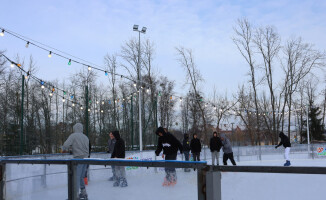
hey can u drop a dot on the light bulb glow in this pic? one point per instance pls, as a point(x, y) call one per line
point(42, 86)
point(12, 65)
point(51, 94)
point(101, 111)
point(89, 68)
point(50, 54)
point(73, 105)
point(27, 44)
point(106, 73)
point(81, 108)
point(69, 63)
point(63, 100)
point(2, 33)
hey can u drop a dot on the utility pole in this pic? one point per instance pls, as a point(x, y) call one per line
point(135, 28)
point(132, 123)
point(86, 110)
point(21, 150)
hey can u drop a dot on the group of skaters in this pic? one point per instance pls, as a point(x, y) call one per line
point(80, 146)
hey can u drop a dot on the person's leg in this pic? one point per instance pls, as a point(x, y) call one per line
point(232, 159)
point(217, 157)
point(79, 176)
point(225, 159)
point(286, 153)
point(123, 177)
point(213, 158)
point(117, 176)
point(194, 156)
point(198, 156)
point(186, 154)
point(113, 177)
point(83, 192)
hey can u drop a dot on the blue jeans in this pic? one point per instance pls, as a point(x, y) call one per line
point(81, 170)
point(186, 153)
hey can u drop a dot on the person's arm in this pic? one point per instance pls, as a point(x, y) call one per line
point(199, 146)
point(68, 143)
point(211, 144)
point(159, 147)
point(279, 144)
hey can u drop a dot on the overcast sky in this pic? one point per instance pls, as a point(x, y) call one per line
point(91, 29)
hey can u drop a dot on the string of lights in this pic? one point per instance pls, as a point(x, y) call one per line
point(90, 66)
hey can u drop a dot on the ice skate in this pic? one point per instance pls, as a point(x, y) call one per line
point(116, 182)
point(166, 182)
point(123, 182)
point(83, 195)
point(111, 178)
point(288, 163)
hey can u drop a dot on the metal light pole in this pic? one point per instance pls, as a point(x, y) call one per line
point(143, 30)
point(308, 134)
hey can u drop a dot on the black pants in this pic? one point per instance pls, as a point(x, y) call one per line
point(227, 156)
point(171, 174)
point(196, 156)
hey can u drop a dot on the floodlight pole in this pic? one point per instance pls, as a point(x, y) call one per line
point(140, 88)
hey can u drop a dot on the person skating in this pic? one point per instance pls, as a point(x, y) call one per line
point(227, 150)
point(119, 152)
point(287, 145)
point(186, 149)
point(195, 147)
point(170, 146)
point(79, 143)
point(215, 146)
point(111, 144)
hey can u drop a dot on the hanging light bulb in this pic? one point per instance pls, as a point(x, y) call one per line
point(102, 102)
point(63, 99)
point(106, 73)
point(27, 44)
point(69, 63)
point(42, 86)
point(51, 94)
point(81, 108)
point(89, 68)
point(12, 65)
point(96, 102)
point(147, 90)
point(102, 111)
point(50, 54)
point(180, 99)
point(89, 110)
point(2, 33)
point(73, 105)
point(135, 84)
point(72, 96)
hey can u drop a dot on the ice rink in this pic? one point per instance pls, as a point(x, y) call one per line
point(24, 182)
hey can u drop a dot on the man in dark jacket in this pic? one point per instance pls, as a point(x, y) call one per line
point(195, 147)
point(119, 152)
point(111, 144)
point(227, 150)
point(287, 145)
point(186, 149)
point(170, 146)
point(215, 145)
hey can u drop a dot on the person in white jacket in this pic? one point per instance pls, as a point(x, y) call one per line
point(79, 144)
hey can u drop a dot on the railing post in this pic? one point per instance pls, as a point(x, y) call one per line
point(201, 183)
point(44, 174)
point(72, 173)
point(2, 181)
point(213, 185)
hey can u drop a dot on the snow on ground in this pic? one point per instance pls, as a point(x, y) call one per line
point(146, 184)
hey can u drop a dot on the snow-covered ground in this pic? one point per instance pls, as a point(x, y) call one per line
point(147, 183)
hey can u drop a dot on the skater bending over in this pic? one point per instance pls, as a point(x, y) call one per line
point(287, 145)
point(170, 146)
point(119, 152)
point(227, 149)
point(79, 144)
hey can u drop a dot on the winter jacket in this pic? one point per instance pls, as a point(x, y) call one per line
point(119, 147)
point(284, 140)
point(227, 147)
point(111, 144)
point(215, 144)
point(195, 145)
point(78, 141)
point(186, 146)
point(169, 144)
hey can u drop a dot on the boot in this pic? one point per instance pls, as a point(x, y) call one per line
point(116, 182)
point(83, 194)
point(287, 163)
point(123, 182)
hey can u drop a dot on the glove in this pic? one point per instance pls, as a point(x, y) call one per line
point(108, 151)
point(276, 147)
